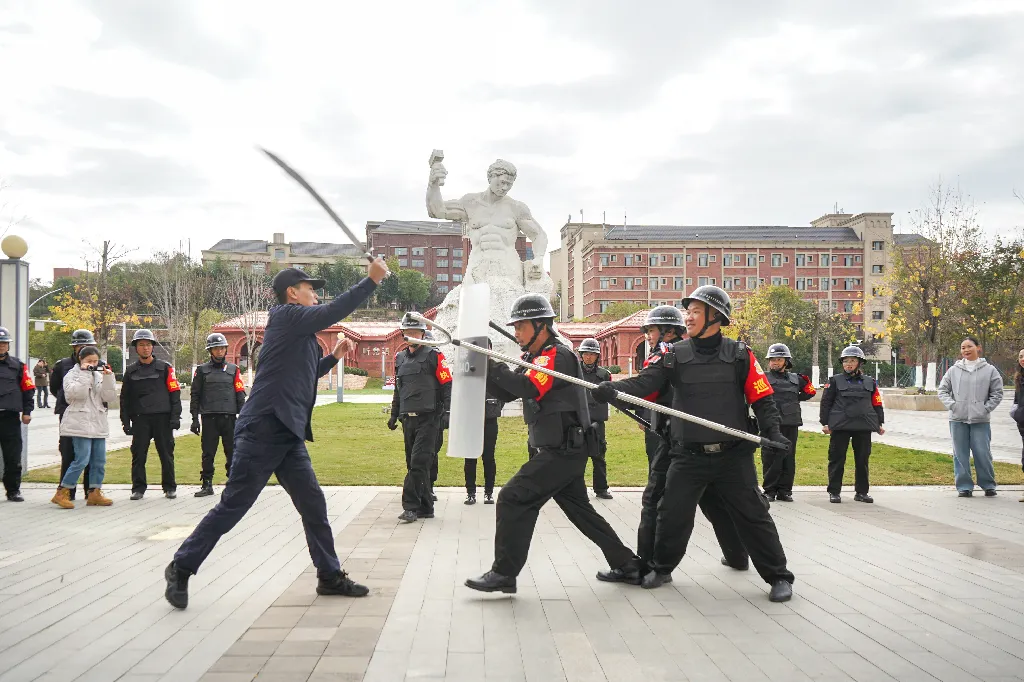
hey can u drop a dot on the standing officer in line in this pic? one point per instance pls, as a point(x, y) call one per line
point(80, 338)
point(716, 378)
point(422, 400)
point(851, 410)
point(271, 429)
point(150, 410)
point(440, 435)
point(492, 410)
point(560, 439)
point(17, 399)
point(590, 352)
point(218, 394)
point(791, 389)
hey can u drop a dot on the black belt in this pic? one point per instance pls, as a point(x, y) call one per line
point(710, 448)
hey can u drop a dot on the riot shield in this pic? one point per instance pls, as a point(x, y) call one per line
point(469, 375)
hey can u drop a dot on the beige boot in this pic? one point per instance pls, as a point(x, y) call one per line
point(96, 498)
point(62, 498)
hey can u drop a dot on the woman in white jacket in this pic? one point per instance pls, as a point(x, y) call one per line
point(88, 388)
point(971, 390)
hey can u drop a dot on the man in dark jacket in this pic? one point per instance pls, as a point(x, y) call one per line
point(150, 411)
point(851, 410)
point(791, 389)
point(17, 393)
point(218, 394)
point(272, 426)
point(79, 339)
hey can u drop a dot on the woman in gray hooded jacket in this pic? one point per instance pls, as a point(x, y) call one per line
point(971, 389)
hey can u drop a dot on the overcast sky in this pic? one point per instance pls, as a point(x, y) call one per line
point(136, 121)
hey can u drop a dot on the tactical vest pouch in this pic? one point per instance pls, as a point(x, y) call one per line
point(531, 410)
point(576, 439)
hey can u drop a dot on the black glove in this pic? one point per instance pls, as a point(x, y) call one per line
point(604, 393)
point(445, 420)
point(393, 423)
point(127, 428)
point(195, 426)
point(175, 424)
point(775, 434)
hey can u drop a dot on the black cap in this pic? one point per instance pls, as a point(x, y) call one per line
point(289, 277)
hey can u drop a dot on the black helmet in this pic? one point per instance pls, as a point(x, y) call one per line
point(779, 350)
point(5, 336)
point(714, 297)
point(589, 346)
point(410, 323)
point(531, 307)
point(664, 315)
point(143, 335)
point(216, 340)
point(82, 337)
point(852, 352)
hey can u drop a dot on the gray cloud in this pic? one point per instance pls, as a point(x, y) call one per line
point(118, 117)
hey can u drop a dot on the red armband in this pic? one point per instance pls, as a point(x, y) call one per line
point(756, 385)
point(443, 373)
point(542, 381)
point(27, 384)
point(172, 381)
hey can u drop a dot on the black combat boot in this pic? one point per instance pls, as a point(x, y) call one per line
point(340, 585)
point(207, 488)
point(176, 592)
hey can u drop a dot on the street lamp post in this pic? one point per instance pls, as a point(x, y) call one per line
point(49, 293)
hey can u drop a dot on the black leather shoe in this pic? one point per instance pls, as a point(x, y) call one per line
point(781, 591)
point(470, 499)
point(603, 494)
point(863, 497)
point(341, 585)
point(834, 498)
point(176, 592)
point(170, 494)
point(990, 493)
point(15, 497)
point(433, 497)
point(408, 516)
point(629, 574)
point(784, 497)
point(492, 582)
point(741, 567)
point(655, 579)
point(770, 496)
point(964, 493)
point(488, 498)
point(135, 496)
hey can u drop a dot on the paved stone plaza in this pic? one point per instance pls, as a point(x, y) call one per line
point(921, 585)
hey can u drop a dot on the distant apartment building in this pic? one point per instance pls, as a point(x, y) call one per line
point(72, 273)
point(262, 256)
point(436, 248)
point(839, 262)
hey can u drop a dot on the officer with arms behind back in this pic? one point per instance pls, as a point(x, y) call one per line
point(851, 410)
point(590, 352)
point(791, 389)
point(272, 428)
point(80, 338)
point(559, 442)
point(150, 410)
point(17, 396)
point(492, 411)
point(218, 395)
point(423, 394)
point(715, 378)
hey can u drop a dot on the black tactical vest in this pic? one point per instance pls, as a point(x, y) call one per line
point(148, 388)
point(218, 388)
point(544, 420)
point(852, 410)
point(598, 410)
point(708, 386)
point(416, 381)
point(10, 384)
point(787, 397)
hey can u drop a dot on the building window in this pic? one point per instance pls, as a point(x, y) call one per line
point(417, 250)
point(440, 252)
point(259, 268)
point(629, 283)
point(278, 254)
point(457, 263)
point(847, 306)
point(677, 283)
point(442, 262)
point(689, 258)
point(604, 282)
point(677, 260)
point(702, 260)
point(664, 258)
point(785, 281)
point(877, 314)
point(604, 305)
point(654, 283)
point(752, 260)
point(456, 277)
point(856, 259)
point(689, 281)
point(776, 281)
point(403, 262)
point(835, 259)
point(760, 259)
point(417, 263)
point(664, 281)
point(878, 246)
point(824, 260)
point(236, 266)
point(615, 281)
point(825, 281)
point(615, 257)
point(726, 259)
point(401, 251)
point(604, 259)
point(847, 261)
point(639, 258)
point(810, 258)
point(457, 253)
point(751, 283)
point(627, 259)
point(877, 269)
point(442, 289)
point(801, 259)
point(876, 291)
point(727, 283)
point(442, 277)
point(801, 283)
point(776, 260)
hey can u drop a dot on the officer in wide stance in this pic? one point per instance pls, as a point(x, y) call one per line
point(217, 396)
point(791, 389)
point(715, 378)
point(80, 338)
point(422, 400)
point(17, 395)
point(150, 411)
point(590, 352)
point(272, 426)
point(559, 441)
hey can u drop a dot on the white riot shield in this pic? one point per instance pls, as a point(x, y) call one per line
point(469, 374)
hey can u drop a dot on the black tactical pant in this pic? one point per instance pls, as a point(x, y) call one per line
point(67, 456)
point(598, 458)
point(420, 449)
point(490, 439)
point(652, 441)
point(779, 466)
point(11, 445)
point(156, 428)
point(838, 442)
point(217, 428)
point(549, 473)
point(711, 505)
point(734, 477)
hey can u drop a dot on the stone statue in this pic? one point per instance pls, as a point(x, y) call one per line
point(493, 221)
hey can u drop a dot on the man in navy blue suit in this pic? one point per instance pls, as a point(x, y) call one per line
point(272, 427)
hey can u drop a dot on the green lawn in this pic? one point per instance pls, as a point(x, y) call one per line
point(354, 447)
point(373, 386)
